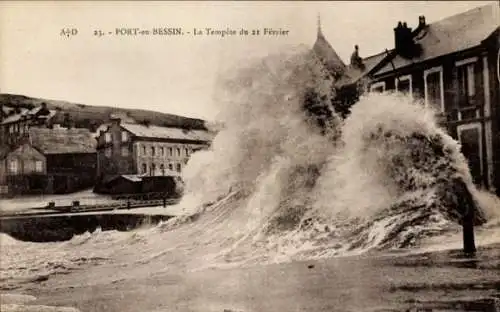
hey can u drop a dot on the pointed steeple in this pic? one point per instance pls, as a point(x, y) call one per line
point(327, 54)
point(320, 33)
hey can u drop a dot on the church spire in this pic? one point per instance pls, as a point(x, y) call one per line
point(327, 54)
point(320, 33)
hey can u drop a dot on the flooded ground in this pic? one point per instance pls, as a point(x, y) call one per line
point(440, 280)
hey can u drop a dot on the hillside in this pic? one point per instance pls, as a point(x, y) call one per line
point(87, 116)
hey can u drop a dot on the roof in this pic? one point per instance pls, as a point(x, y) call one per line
point(15, 117)
point(324, 51)
point(122, 116)
point(456, 33)
point(139, 177)
point(353, 74)
point(131, 177)
point(157, 132)
point(6, 110)
point(62, 141)
point(34, 110)
point(102, 127)
point(27, 112)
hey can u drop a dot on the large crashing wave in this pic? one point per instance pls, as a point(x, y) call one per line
point(302, 182)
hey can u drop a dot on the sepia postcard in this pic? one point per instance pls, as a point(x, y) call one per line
point(258, 156)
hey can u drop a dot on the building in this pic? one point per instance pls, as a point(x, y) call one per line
point(51, 161)
point(327, 55)
point(351, 78)
point(168, 186)
point(3, 170)
point(146, 150)
point(453, 66)
point(357, 77)
point(15, 123)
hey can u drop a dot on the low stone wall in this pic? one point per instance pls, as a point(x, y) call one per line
point(62, 228)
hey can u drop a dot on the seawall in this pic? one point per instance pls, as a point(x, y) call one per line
point(46, 228)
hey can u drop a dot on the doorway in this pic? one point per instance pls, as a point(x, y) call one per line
point(471, 139)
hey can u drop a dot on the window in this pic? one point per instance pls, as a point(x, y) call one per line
point(170, 166)
point(153, 170)
point(378, 87)
point(107, 137)
point(38, 166)
point(125, 151)
point(404, 85)
point(124, 136)
point(152, 151)
point(178, 152)
point(144, 150)
point(466, 89)
point(144, 168)
point(107, 152)
point(162, 168)
point(11, 129)
point(433, 88)
point(13, 166)
point(170, 151)
point(187, 151)
point(178, 167)
point(162, 151)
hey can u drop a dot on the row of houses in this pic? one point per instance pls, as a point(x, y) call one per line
point(41, 159)
point(15, 122)
point(451, 65)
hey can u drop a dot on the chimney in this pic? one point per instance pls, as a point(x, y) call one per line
point(356, 60)
point(421, 25)
point(115, 119)
point(403, 40)
point(421, 21)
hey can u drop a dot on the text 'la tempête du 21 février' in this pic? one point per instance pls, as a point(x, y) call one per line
point(179, 31)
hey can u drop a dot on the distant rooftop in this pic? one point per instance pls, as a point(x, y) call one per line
point(28, 113)
point(62, 141)
point(157, 132)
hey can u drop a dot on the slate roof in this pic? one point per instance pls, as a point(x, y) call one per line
point(15, 117)
point(131, 177)
point(62, 141)
point(324, 51)
point(157, 132)
point(139, 177)
point(6, 110)
point(353, 74)
point(456, 33)
point(26, 112)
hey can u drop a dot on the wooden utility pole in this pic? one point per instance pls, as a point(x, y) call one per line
point(468, 230)
point(468, 207)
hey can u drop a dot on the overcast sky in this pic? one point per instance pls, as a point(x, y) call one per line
point(176, 74)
